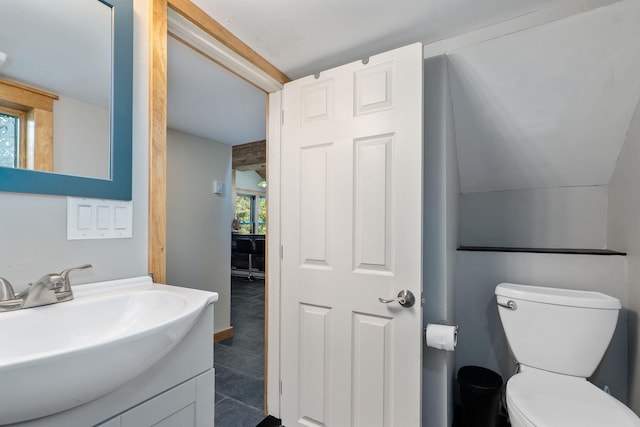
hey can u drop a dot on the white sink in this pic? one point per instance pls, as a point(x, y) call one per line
point(56, 357)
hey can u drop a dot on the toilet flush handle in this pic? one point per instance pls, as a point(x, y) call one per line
point(511, 305)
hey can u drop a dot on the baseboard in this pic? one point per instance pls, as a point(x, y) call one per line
point(223, 334)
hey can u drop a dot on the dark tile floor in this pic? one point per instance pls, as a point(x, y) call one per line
point(239, 361)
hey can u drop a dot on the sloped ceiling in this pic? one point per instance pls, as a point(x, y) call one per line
point(549, 106)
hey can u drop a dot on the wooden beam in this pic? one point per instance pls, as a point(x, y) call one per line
point(252, 154)
point(158, 143)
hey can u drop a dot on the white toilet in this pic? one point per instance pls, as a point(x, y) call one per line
point(558, 337)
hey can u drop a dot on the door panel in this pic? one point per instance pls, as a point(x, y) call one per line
point(351, 232)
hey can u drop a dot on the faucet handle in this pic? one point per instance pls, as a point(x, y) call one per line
point(6, 290)
point(65, 275)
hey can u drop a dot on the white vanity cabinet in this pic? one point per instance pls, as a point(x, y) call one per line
point(186, 405)
point(177, 391)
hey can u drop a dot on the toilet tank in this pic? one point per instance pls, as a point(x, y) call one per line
point(558, 330)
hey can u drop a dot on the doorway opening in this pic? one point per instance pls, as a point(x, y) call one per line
point(213, 41)
point(201, 195)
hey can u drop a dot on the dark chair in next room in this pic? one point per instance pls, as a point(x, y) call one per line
point(245, 247)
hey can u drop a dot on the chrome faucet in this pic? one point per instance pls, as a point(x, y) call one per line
point(49, 289)
point(41, 292)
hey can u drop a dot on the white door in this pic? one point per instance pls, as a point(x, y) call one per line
point(351, 233)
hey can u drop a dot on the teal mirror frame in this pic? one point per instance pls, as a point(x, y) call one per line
point(119, 186)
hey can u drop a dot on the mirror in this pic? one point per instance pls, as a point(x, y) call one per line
point(72, 76)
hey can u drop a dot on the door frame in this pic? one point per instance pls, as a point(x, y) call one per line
point(231, 53)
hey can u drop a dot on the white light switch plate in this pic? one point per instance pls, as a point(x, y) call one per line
point(99, 219)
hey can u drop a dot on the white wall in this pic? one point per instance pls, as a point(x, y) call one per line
point(248, 180)
point(198, 221)
point(440, 238)
point(569, 217)
point(81, 143)
point(481, 339)
point(33, 227)
point(624, 234)
point(549, 106)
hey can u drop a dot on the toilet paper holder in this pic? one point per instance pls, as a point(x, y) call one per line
point(441, 336)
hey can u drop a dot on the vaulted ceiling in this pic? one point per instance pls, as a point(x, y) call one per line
point(549, 106)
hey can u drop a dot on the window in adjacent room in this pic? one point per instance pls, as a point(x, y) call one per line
point(251, 211)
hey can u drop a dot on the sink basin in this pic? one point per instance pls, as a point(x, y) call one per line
point(59, 356)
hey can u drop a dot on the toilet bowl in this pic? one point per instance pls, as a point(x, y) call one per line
point(544, 399)
point(559, 337)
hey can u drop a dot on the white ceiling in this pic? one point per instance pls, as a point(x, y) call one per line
point(305, 37)
point(50, 48)
point(550, 106)
point(302, 38)
point(207, 101)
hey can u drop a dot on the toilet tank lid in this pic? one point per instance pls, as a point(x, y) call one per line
point(557, 296)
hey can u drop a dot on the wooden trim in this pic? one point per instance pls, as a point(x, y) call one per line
point(223, 334)
point(43, 137)
point(158, 142)
point(206, 23)
point(23, 97)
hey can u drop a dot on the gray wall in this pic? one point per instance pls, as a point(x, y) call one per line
point(198, 221)
point(568, 217)
point(34, 227)
point(441, 190)
point(624, 234)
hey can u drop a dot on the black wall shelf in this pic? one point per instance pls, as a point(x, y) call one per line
point(541, 250)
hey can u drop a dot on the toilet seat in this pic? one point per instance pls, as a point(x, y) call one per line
point(544, 399)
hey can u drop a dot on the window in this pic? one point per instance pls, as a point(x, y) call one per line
point(251, 211)
point(9, 140)
point(26, 126)
point(262, 215)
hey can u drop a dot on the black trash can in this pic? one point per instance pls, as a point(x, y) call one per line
point(480, 391)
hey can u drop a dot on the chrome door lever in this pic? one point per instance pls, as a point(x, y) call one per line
point(405, 298)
